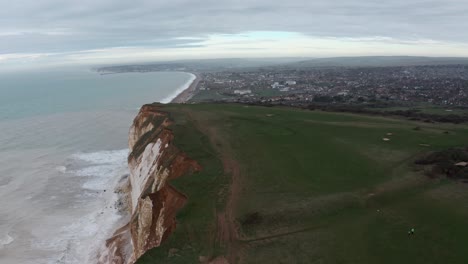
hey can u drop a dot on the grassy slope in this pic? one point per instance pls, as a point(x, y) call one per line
point(326, 187)
point(196, 221)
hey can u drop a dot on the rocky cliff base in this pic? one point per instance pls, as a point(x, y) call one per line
point(152, 203)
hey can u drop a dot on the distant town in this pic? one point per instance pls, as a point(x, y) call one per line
point(439, 85)
point(358, 87)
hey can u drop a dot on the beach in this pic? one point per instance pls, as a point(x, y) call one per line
point(189, 90)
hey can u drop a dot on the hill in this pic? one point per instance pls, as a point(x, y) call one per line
point(283, 185)
point(376, 61)
point(198, 65)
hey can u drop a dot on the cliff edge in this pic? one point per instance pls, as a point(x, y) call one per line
point(150, 200)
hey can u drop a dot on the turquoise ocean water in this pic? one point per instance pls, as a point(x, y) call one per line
point(63, 148)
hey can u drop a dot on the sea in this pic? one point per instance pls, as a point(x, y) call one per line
point(63, 149)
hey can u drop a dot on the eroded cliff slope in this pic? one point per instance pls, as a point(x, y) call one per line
point(151, 201)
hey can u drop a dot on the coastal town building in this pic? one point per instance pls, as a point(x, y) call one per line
point(242, 92)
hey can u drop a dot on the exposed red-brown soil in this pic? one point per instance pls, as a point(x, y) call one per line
point(115, 245)
point(227, 229)
point(165, 204)
point(153, 220)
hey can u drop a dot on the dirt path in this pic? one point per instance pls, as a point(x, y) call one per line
point(227, 231)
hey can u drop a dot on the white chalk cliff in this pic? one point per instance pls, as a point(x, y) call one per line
point(152, 203)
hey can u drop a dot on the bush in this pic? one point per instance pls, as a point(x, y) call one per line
point(443, 162)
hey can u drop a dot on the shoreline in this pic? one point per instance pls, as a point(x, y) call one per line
point(188, 92)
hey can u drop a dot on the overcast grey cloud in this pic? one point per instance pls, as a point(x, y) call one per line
point(55, 26)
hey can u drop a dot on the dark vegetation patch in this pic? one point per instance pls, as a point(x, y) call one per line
point(449, 162)
point(410, 114)
point(254, 218)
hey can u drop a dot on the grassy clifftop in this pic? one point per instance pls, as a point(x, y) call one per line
point(294, 186)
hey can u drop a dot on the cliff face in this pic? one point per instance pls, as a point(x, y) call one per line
point(151, 201)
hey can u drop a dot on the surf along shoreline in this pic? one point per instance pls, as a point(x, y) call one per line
point(186, 92)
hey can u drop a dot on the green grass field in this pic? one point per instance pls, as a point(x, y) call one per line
point(208, 95)
point(315, 187)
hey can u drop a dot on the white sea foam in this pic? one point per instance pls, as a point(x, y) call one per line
point(79, 241)
point(6, 240)
point(104, 172)
point(103, 157)
point(61, 169)
point(180, 90)
point(101, 167)
point(98, 170)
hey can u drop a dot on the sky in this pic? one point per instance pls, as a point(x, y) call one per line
point(54, 32)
